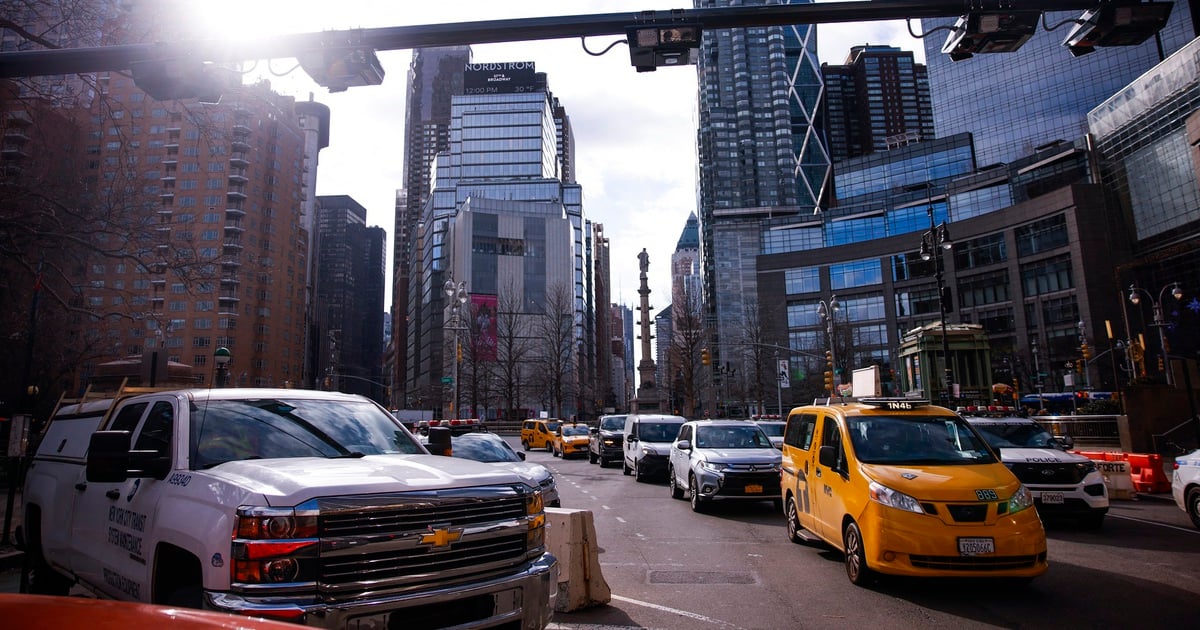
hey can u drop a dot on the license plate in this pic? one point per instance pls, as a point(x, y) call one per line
point(976, 546)
point(1052, 497)
point(753, 489)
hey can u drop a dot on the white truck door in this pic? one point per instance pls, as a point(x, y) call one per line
point(114, 521)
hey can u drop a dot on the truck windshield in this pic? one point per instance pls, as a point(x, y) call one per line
point(612, 423)
point(229, 430)
point(917, 440)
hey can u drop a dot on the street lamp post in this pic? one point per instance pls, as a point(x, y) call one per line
point(222, 357)
point(932, 242)
point(1160, 322)
point(456, 295)
point(828, 311)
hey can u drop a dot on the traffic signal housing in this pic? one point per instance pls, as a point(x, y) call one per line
point(828, 381)
point(705, 357)
point(1085, 351)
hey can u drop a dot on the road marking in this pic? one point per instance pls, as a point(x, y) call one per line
point(1142, 520)
point(620, 520)
point(602, 505)
point(675, 611)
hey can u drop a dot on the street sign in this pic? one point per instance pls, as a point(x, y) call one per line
point(447, 380)
point(784, 381)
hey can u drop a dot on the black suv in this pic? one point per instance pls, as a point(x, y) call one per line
point(604, 441)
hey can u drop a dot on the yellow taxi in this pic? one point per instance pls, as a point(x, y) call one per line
point(571, 438)
point(539, 433)
point(903, 487)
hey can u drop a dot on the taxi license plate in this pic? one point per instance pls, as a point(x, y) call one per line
point(753, 488)
point(976, 546)
point(1055, 498)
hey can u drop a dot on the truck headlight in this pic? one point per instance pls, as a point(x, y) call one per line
point(274, 546)
point(535, 510)
point(886, 496)
point(1020, 500)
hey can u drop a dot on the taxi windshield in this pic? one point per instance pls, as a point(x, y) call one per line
point(1025, 434)
point(574, 429)
point(917, 440)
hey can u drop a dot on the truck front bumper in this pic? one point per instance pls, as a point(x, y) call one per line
point(526, 597)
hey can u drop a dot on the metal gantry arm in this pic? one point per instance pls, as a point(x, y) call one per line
point(125, 57)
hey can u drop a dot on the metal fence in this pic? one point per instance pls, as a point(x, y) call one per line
point(1087, 431)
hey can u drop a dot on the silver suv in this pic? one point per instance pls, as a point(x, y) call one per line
point(724, 460)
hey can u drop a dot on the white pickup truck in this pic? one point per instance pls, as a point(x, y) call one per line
point(312, 507)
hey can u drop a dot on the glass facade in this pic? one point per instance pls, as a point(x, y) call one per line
point(1013, 102)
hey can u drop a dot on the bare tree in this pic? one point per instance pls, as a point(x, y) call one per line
point(555, 333)
point(688, 338)
point(513, 348)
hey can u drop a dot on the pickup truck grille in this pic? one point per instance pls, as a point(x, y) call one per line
point(404, 541)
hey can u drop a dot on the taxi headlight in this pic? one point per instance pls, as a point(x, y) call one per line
point(891, 498)
point(1020, 500)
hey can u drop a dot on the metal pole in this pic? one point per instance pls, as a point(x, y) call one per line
point(1161, 324)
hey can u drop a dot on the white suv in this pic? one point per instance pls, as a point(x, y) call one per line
point(724, 460)
point(1062, 483)
point(1185, 484)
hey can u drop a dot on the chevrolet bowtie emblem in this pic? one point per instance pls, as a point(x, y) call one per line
point(440, 538)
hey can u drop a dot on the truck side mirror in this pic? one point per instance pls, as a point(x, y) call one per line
point(108, 457)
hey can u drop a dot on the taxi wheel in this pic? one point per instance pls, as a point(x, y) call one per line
point(699, 504)
point(676, 489)
point(525, 445)
point(856, 556)
point(793, 522)
point(1193, 505)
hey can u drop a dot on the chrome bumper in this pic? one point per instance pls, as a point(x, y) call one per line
point(527, 596)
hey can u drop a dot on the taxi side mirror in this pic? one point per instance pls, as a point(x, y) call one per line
point(827, 457)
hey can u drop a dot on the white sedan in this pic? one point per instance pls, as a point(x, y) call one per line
point(1185, 485)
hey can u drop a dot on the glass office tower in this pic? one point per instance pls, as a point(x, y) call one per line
point(1015, 102)
point(760, 150)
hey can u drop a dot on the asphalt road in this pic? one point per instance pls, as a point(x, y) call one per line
point(734, 568)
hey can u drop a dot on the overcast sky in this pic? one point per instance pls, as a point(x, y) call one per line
point(634, 132)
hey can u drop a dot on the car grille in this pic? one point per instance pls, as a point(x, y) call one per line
point(976, 563)
point(968, 513)
point(1031, 473)
point(376, 543)
point(735, 483)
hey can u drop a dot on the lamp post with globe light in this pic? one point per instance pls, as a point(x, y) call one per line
point(1160, 322)
point(222, 357)
point(936, 239)
point(457, 296)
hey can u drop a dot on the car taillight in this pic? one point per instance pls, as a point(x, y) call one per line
point(274, 546)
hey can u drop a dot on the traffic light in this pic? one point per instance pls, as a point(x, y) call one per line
point(1079, 367)
point(705, 357)
point(1085, 351)
point(1161, 367)
point(828, 381)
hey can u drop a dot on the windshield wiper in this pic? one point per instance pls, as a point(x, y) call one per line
point(347, 455)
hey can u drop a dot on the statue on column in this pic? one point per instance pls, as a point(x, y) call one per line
point(644, 262)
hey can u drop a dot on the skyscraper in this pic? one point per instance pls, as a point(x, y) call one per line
point(1015, 102)
point(434, 76)
point(761, 153)
point(350, 264)
point(503, 220)
point(878, 98)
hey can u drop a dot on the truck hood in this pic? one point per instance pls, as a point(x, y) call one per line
point(945, 483)
point(294, 480)
point(1038, 456)
point(758, 456)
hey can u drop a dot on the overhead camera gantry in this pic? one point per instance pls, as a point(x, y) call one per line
point(343, 59)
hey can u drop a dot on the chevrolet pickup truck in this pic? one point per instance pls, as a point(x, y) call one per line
point(317, 508)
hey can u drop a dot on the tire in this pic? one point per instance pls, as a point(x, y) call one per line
point(39, 577)
point(191, 596)
point(625, 469)
point(592, 459)
point(676, 490)
point(524, 445)
point(638, 475)
point(1193, 505)
point(793, 522)
point(856, 556)
point(698, 504)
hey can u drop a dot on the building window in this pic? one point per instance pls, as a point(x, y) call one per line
point(802, 280)
point(1042, 236)
point(855, 273)
point(1046, 276)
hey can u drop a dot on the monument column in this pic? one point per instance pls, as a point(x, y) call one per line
point(647, 395)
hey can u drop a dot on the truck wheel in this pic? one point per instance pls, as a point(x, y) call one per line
point(856, 556)
point(625, 469)
point(592, 459)
point(1193, 505)
point(179, 578)
point(39, 576)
